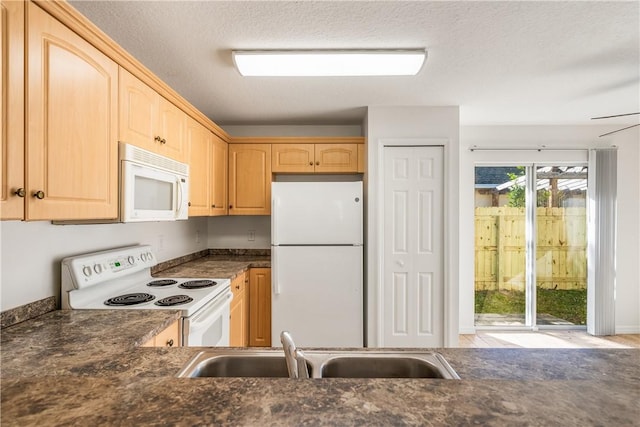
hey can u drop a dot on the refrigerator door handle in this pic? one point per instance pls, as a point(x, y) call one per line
point(274, 271)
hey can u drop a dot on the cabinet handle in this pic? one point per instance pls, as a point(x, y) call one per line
point(39, 194)
point(164, 141)
point(170, 343)
point(230, 206)
point(238, 287)
point(213, 206)
point(317, 163)
point(158, 139)
point(189, 204)
point(20, 192)
point(310, 163)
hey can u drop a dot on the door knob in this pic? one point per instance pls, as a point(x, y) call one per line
point(400, 263)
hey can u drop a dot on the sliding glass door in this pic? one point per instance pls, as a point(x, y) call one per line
point(530, 245)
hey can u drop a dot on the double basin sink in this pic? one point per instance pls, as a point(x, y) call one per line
point(320, 364)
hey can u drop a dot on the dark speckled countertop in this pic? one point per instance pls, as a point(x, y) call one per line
point(85, 367)
point(216, 266)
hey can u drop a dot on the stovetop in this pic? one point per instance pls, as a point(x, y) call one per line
point(90, 280)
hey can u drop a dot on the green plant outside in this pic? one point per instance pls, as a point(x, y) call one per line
point(570, 305)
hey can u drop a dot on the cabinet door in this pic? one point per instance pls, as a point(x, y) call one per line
point(292, 158)
point(260, 307)
point(12, 110)
point(361, 154)
point(239, 327)
point(170, 337)
point(72, 128)
point(138, 111)
point(332, 158)
point(249, 179)
point(219, 161)
point(172, 128)
point(200, 142)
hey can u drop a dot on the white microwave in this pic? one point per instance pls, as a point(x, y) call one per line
point(152, 187)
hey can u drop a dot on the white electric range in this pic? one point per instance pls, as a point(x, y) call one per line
point(121, 279)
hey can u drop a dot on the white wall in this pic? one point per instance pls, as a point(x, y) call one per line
point(233, 232)
point(412, 123)
point(31, 251)
point(575, 137)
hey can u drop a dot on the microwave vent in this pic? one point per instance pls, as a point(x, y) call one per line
point(138, 155)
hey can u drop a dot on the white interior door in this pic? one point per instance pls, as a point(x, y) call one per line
point(413, 247)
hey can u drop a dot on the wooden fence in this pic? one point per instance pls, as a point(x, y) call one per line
point(561, 258)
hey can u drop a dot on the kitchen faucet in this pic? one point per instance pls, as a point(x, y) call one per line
point(296, 363)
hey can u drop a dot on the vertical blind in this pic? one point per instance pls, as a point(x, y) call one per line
point(601, 259)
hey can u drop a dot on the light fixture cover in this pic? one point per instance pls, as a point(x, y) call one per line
point(280, 63)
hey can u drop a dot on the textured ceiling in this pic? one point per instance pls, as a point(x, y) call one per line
point(501, 62)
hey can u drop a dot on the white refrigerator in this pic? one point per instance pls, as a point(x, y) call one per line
point(316, 263)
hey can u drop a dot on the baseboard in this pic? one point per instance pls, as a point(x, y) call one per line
point(634, 329)
point(467, 331)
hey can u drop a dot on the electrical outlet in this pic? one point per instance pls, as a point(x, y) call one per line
point(252, 235)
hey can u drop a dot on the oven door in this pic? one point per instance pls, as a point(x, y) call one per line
point(209, 326)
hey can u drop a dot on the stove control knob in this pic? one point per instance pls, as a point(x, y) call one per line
point(86, 271)
point(149, 256)
point(97, 268)
point(143, 257)
point(131, 260)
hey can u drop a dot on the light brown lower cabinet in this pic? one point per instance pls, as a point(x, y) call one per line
point(260, 307)
point(239, 312)
point(170, 337)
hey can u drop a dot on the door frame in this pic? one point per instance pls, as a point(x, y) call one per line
point(375, 225)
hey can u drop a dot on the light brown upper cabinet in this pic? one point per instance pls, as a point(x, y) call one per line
point(149, 121)
point(249, 179)
point(361, 154)
point(12, 188)
point(200, 143)
point(72, 104)
point(219, 188)
point(315, 158)
point(207, 171)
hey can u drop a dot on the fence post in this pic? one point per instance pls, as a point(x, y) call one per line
point(500, 241)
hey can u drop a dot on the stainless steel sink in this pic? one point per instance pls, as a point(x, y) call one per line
point(389, 366)
point(320, 364)
point(245, 364)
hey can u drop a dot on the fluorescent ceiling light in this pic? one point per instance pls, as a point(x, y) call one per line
point(276, 63)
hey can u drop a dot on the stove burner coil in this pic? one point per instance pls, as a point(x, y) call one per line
point(129, 299)
point(173, 300)
point(197, 284)
point(162, 282)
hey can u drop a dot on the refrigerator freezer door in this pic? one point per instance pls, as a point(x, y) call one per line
point(316, 213)
point(317, 295)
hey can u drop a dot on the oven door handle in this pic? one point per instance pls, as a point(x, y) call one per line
point(203, 318)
